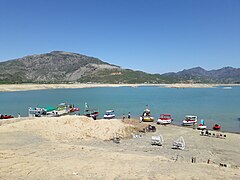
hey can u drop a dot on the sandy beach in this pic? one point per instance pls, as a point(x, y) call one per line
point(27, 87)
point(76, 147)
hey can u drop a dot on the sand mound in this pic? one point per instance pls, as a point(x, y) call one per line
point(67, 128)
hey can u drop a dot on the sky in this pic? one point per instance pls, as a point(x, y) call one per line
point(155, 36)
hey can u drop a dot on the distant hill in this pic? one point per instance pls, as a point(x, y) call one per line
point(66, 67)
point(199, 75)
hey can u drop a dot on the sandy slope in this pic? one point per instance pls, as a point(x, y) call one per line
point(75, 147)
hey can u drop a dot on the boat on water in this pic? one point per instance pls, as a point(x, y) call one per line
point(189, 120)
point(227, 87)
point(109, 114)
point(6, 116)
point(146, 116)
point(202, 125)
point(93, 113)
point(216, 127)
point(165, 119)
point(59, 110)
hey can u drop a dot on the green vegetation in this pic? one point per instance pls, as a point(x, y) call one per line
point(124, 76)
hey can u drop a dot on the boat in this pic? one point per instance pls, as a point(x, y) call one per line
point(202, 125)
point(189, 120)
point(216, 127)
point(227, 87)
point(109, 114)
point(90, 112)
point(38, 111)
point(6, 116)
point(146, 116)
point(59, 110)
point(165, 119)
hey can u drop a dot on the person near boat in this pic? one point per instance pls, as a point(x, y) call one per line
point(146, 116)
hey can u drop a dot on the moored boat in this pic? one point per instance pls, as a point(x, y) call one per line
point(189, 120)
point(227, 87)
point(146, 116)
point(61, 109)
point(6, 116)
point(165, 119)
point(216, 127)
point(90, 112)
point(109, 114)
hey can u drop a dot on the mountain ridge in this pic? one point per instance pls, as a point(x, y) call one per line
point(226, 75)
point(69, 67)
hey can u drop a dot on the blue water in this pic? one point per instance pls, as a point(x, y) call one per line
point(214, 105)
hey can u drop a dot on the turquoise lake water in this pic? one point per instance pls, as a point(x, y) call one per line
point(214, 105)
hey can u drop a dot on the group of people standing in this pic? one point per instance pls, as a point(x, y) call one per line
point(129, 115)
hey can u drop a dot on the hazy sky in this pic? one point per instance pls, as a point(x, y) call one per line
point(155, 36)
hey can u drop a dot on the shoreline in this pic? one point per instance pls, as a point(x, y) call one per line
point(30, 87)
point(66, 147)
point(26, 118)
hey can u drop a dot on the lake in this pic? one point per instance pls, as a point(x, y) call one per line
point(214, 105)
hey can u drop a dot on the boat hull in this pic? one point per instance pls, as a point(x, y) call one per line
point(202, 127)
point(188, 123)
point(147, 119)
point(109, 116)
point(6, 117)
point(216, 128)
point(160, 121)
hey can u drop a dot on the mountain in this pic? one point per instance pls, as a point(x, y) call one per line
point(66, 67)
point(199, 75)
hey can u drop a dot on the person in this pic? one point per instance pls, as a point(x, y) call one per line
point(206, 133)
point(129, 115)
point(19, 115)
point(123, 116)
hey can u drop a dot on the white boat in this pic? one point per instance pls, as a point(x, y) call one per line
point(165, 119)
point(227, 87)
point(39, 111)
point(109, 114)
point(60, 110)
point(189, 120)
